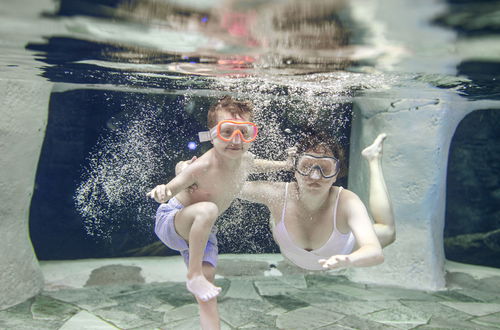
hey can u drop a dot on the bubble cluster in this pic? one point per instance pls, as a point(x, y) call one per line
point(122, 167)
point(141, 149)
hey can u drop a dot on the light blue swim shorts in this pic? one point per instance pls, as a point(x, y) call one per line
point(165, 230)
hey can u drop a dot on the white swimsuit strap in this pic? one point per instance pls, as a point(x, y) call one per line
point(284, 204)
point(335, 209)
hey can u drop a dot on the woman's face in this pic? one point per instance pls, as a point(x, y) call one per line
point(314, 181)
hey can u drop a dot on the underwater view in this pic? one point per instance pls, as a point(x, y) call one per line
point(193, 164)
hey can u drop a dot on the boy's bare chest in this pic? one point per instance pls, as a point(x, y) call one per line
point(220, 187)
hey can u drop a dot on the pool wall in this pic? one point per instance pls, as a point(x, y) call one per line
point(419, 130)
point(23, 108)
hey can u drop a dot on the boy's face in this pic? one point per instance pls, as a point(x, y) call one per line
point(235, 148)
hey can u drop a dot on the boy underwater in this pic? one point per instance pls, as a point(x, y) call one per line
point(186, 222)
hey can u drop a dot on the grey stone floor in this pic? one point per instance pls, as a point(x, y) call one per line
point(258, 293)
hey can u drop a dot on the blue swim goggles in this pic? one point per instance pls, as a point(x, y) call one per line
point(327, 166)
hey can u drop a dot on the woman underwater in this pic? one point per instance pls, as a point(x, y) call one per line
point(321, 226)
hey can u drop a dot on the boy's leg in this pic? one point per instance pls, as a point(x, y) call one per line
point(379, 201)
point(209, 313)
point(194, 223)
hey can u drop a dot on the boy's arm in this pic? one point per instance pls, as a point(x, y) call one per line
point(265, 165)
point(182, 180)
point(369, 252)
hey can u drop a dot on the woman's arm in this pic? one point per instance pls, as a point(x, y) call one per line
point(264, 192)
point(369, 252)
point(266, 166)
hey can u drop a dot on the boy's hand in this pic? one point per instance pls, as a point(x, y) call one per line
point(160, 193)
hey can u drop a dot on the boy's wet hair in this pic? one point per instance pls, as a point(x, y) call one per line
point(234, 107)
point(323, 144)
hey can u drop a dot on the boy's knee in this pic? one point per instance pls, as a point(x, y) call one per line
point(209, 211)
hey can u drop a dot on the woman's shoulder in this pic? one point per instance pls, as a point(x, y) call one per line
point(346, 196)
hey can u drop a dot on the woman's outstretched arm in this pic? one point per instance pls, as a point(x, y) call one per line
point(369, 252)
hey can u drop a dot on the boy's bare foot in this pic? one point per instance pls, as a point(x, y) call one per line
point(374, 150)
point(202, 288)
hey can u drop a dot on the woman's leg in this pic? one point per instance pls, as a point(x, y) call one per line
point(379, 201)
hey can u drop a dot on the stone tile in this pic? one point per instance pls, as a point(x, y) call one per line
point(359, 323)
point(491, 320)
point(440, 323)
point(189, 324)
point(85, 320)
point(19, 323)
point(265, 321)
point(395, 293)
point(145, 327)
point(287, 268)
point(462, 280)
point(321, 281)
point(227, 268)
point(242, 289)
point(88, 299)
point(115, 290)
point(296, 280)
point(481, 295)
point(184, 324)
point(435, 309)
point(223, 283)
point(286, 302)
point(490, 284)
point(180, 313)
point(130, 316)
point(239, 312)
point(476, 309)
point(273, 286)
point(357, 292)
point(401, 317)
point(19, 318)
point(358, 308)
point(454, 295)
point(276, 311)
point(176, 295)
point(163, 308)
point(50, 309)
point(316, 296)
point(145, 299)
point(485, 290)
point(307, 318)
point(115, 274)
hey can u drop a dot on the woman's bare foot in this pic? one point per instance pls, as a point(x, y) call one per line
point(202, 288)
point(374, 150)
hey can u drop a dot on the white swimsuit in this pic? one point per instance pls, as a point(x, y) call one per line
point(338, 243)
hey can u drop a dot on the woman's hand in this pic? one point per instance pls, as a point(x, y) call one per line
point(336, 262)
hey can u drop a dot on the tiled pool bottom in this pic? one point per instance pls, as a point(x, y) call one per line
point(149, 293)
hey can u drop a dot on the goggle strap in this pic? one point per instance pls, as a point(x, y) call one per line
point(204, 136)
